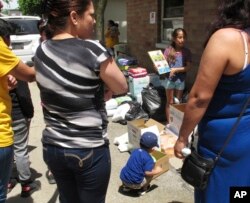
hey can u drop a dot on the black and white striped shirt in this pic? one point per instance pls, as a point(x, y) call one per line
point(67, 74)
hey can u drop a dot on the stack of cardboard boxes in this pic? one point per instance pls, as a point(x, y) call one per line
point(138, 79)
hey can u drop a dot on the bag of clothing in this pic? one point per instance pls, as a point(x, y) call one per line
point(196, 170)
point(154, 101)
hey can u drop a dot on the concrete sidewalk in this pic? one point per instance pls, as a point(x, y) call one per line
point(167, 188)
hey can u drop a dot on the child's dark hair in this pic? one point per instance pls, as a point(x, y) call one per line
point(171, 56)
point(144, 147)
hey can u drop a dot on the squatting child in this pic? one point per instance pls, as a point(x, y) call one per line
point(140, 167)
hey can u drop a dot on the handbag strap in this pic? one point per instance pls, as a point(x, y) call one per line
point(232, 131)
point(230, 135)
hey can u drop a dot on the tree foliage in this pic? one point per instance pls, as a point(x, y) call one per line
point(7, 1)
point(30, 7)
point(34, 7)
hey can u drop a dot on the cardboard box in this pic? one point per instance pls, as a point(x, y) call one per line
point(137, 127)
point(176, 117)
point(168, 140)
point(136, 85)
point(162, 160)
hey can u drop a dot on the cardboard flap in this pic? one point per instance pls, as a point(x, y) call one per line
point(180, 107)
point(137, 122)
point(152, 122)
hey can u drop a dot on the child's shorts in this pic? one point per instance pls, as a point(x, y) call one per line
point(135, 186)
point(177, 85)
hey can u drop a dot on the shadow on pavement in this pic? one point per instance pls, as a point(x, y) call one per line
point(54, 197)
point(31, 148)
point(35, 174)
point(19, 199)
point(134, 193)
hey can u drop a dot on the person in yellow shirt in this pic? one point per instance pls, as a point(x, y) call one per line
point(10, 65)
point(112, 35)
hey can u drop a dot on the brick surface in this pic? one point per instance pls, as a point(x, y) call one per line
point(143, 36)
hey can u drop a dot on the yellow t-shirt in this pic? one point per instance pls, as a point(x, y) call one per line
point(8, 61)
point(111, 41)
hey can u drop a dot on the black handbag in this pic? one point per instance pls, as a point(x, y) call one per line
point(197, 169)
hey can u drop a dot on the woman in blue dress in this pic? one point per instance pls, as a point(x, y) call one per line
point(218, 95)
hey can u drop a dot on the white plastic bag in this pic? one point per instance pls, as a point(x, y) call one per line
point(121, 112)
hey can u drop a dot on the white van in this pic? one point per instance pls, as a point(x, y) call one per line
point(26, 37)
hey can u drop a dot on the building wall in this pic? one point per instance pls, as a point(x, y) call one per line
point(198, 15)
point(143, 36)
point(117, 11)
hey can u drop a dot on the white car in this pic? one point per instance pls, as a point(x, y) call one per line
point(26, 37)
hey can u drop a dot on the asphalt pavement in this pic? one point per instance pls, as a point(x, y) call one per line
point(167, 188)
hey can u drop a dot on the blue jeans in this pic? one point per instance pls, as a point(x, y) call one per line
point(177, 85)
point(82, 175)
point(6, 160)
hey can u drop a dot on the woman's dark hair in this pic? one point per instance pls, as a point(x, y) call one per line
point(172, 54)
point(43, 28)
point(231, 13)
point(56, 12)
point(6, 29)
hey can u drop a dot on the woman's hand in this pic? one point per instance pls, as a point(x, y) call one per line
point(108, 95)
point(179, 145)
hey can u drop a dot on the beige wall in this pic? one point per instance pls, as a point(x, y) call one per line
point(116, 10)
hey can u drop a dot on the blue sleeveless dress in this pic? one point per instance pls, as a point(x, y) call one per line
point(233, 167)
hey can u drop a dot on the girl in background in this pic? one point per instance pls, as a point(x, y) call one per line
point(179, 58)
point(112, 35)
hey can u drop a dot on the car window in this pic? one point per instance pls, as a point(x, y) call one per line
point(22, 27)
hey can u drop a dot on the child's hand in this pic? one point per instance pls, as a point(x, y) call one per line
point(158, 169)
point(172, 72)
point(12, 82)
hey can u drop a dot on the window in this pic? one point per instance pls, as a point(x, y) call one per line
point(172, 17)
point(24, 26)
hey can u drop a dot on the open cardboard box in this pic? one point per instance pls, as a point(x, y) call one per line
point(162, 160)
point(176, 117)
point(168, 140)
point(137, 127)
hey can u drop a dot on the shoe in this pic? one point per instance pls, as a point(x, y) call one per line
point(12, 183)
point(142, 191)
point(125, 189)
point(178, 170)
point(50, 177)
point(29, 188)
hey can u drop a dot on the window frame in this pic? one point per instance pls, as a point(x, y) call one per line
point(163, 19)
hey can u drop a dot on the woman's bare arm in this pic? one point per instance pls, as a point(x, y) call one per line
point(113, 77)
